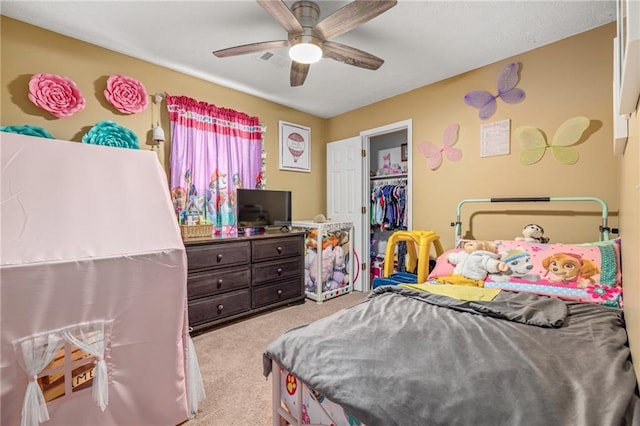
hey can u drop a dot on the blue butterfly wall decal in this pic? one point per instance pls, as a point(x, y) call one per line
point(507, 91)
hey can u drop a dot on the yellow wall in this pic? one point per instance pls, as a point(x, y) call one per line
point(28, 50)
point(629, 184)
point(566, 79)
point(562, 80)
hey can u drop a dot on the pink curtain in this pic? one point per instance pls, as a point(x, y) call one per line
point(214, 151)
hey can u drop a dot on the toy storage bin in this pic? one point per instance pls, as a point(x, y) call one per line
point(329, 259)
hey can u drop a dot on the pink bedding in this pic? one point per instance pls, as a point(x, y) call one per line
point(580, 272)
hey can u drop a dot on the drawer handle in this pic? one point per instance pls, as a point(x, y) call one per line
point(279, 271)
point(279, 250)
point(220, 307)
point(279, 292)
point(220, 283)
point(219, 257)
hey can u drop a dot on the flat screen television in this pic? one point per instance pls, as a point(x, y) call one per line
point(263, 208)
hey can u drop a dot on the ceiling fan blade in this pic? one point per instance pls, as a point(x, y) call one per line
point(298, 73)
point(350, 55)
point(350, 16)
point(251, 48)
point(279, 10)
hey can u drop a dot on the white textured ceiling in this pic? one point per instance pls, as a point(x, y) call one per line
point(422, 42)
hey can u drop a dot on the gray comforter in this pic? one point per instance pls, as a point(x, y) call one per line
point(405, 357)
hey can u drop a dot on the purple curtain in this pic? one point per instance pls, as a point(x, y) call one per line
point(214, 151)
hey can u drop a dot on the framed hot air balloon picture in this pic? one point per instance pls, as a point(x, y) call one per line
point(295, 147)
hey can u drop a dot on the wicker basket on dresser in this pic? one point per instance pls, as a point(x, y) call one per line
point(234, 277)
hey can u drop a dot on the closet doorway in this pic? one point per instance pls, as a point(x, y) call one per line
point(352, 167)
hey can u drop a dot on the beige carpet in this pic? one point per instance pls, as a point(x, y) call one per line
point(230, 360)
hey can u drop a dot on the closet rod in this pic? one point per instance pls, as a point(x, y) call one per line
point(388, 181)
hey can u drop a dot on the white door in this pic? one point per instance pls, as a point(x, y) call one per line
point(345, 197)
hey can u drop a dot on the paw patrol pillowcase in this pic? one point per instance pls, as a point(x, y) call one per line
point(584, 273)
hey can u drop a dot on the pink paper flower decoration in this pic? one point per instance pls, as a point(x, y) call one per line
point(56, 94)
point(126, 94)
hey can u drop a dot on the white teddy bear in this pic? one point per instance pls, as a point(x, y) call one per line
point(533, 232)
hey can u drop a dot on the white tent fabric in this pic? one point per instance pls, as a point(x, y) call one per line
point(33, 355)
point(89, 234)
point(92, 338)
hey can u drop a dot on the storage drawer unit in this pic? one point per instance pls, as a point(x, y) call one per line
point(218, 255)
point(277, 248)
point(218, 281)
point(275, 293)
point(208, 309)
point(234, 277)
point(276, 270)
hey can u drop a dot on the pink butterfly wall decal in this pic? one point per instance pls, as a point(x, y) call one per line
point(507, 91)
point(434, 153)
point(387, 160)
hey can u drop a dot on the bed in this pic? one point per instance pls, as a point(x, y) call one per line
point(515, 352)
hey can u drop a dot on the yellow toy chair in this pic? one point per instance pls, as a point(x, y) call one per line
point(421, 239)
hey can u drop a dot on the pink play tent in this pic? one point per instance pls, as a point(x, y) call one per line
point(93, 289)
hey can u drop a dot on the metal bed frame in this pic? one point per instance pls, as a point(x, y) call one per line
point(604, 228)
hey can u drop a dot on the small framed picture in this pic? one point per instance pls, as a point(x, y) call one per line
point(295, 147)
point(404, 152)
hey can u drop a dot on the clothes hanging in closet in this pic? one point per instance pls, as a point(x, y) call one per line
point(388, 205)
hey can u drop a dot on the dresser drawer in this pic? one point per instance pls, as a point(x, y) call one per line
point(215, 307)
point(276, 248)
point(216, 255)
point(277, 270)
point(274, 293)
point(206, 283)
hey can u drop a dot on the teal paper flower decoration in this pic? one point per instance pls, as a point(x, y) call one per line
point(110, 133)
point(27, 130)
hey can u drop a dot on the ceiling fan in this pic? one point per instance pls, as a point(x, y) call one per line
point(310, 39)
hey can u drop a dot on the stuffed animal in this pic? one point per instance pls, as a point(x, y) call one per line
point(310, 284)
point(339, 267)
point(476, 260)
point(533, 232)
point(327, 240)
point(327, 260)
point(319, 218)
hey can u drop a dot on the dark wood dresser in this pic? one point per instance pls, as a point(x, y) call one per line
point(230, 278)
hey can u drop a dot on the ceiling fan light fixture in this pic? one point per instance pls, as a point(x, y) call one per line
point(305, 53)
point(310, 39)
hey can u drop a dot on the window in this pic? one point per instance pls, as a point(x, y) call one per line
point(71, 366)
point(60, 362)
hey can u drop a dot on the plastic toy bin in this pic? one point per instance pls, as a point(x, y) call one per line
point(328, 261)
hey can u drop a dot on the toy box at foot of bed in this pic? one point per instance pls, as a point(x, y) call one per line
point(298, 404)
point(409, 357)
